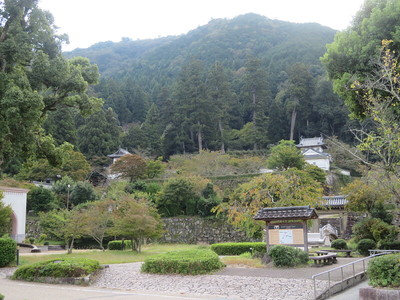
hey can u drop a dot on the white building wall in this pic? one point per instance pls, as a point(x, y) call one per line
point(16, 199)
point(323, 164)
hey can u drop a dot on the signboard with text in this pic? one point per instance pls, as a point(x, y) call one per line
point(286, 234)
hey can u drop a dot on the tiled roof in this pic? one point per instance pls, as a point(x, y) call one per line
point(335, 201)
point(310, 142)
point(119, 153)
point(286, 213)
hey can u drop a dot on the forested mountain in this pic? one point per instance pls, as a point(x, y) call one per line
point(235, 84)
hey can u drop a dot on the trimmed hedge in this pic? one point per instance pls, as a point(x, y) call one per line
point(191, 262)
point(58, 268)
point(364, 245)
point(8, 251)
point(117, 245)
point(384, 271)
point(286, 256)
point(238, 248)
point(385, 245)
point(339, 244)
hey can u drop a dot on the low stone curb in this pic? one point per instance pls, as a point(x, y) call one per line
point(371, 293)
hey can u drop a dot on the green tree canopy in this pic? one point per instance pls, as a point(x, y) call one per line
point(35, 78)
point(134, 219)
point(41, 199)
point(285, 155)
point(352, 56)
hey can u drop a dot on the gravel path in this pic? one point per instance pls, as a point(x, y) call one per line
point(128, 277)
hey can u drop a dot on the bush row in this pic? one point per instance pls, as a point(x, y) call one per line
point(119, 245)
point(70, 267)
point(8, 250)
point(191, 262)
point(238, 248)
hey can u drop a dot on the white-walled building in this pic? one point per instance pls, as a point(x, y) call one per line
point(16, 199)
point(313, 152)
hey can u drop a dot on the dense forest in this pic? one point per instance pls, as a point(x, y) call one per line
point(237, 84)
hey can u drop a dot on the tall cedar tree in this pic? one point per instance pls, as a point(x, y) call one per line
point(254, 96)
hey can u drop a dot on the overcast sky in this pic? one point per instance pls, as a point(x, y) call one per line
point(90, 21)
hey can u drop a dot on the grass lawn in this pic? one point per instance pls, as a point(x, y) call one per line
point(111, 257)
point(242, 261)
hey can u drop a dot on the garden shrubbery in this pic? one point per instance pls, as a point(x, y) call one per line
point(394, 245)
point(119, 245)
point(364, 245)
point(339, 244)
point(238, 248)
point(8, 250)
point(384, 271)
point(285, 256)
point(191, 262)
point(59, 268)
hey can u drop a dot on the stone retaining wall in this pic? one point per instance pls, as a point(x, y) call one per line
point(193, 230)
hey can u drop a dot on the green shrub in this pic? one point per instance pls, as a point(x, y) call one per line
point(118, 245)
point(191, 262)
point(382, 231)
point(362, 230)
point(384, 271)
point(1, 297)
point(374, 229)
point(339, 244)
point(238, 248)
point(69, 267)
point(285, 256)
point(395, 245)
point(8, 250)
point(364, 245)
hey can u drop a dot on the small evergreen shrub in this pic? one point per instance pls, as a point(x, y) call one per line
point(70, 267)
point(8, 250)
point(1, 297)
point(238, 248)
point(364, 245)
point(118, 245)
point(191, 262)
point(395, 245)
point(286, 256)
point(339, 244)
point(384, 271)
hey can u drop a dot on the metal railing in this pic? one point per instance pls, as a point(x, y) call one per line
point(342, 276)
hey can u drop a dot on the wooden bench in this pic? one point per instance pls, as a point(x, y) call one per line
point(347, 251)
point(324, 258)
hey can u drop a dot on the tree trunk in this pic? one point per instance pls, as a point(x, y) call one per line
point(292, 123)
point(254, 107)
point(70, 246)
point(199, 137)
point(221, 130)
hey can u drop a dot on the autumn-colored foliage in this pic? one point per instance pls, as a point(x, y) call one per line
point(131, 166)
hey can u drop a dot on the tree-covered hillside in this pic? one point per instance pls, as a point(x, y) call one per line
point(277, 44)
point(237, 84)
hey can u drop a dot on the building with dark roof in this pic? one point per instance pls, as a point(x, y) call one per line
point(117, 155)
